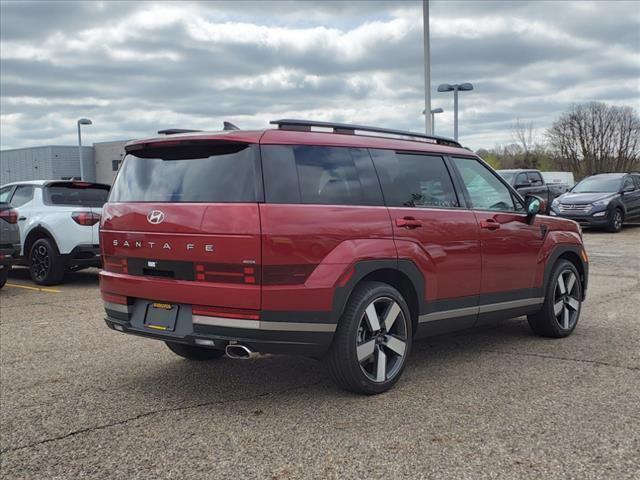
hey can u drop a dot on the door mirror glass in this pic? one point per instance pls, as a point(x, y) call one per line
point(534, 205)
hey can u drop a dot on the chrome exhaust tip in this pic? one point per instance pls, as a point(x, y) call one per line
point(240, 352)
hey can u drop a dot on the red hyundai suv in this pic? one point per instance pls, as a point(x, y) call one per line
point(334, 241)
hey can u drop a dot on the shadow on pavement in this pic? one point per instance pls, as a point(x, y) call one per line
point(226, 380)
point(88, 277)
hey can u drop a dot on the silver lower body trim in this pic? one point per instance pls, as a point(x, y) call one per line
point(261, 325)
point(491, 307)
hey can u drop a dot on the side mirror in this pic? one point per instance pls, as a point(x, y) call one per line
point(628, 189)
point(535, 205)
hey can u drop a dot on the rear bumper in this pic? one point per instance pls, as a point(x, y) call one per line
point(9, 255)
point(311, 338)
point(84, 255)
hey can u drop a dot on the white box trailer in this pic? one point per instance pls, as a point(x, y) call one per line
point(563, 178)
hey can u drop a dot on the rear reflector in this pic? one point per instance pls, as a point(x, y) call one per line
point(225, 313)
point(115, 264)
point(114, 298)
point(85, 218)
point(226, 273)
point(9, 215)
point(204, 341)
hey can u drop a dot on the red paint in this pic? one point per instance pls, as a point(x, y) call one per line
point(274, 257)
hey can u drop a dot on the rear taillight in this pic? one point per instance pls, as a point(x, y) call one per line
point(9, 215)
point(86, 218)
point(115, 264)
point(227, 273)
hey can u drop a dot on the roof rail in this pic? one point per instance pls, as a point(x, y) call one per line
point(174, 131)
point(350, 129)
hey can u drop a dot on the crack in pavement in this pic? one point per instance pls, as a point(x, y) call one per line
point(154, 412)
point(555, 357)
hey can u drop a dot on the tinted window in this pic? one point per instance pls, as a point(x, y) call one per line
point(522, 179)
point(535, 178)
point(486, 191)
point(508, 176)
point(410, 180)
point(70, 194)
point(319, 175)
point(4, 194)
point(628, 183)
point(636, 180)
point(22, 195)
point(208, 173)
point(598, 184)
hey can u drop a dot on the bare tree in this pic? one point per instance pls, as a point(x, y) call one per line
point(595, 138)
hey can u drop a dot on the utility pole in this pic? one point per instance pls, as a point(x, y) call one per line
point(427, 68)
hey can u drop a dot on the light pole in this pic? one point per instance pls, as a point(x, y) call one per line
point(82, 121)
point(433, 118)
point(427, 66)
point(462, 87)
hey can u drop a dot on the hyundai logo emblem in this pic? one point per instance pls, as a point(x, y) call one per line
point(155, 217)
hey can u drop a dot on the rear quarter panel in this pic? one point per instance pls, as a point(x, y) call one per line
point(327, 238)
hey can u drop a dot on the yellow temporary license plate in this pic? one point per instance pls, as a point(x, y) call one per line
point(161, 316)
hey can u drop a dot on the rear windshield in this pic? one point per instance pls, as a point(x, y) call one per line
point(76, 194)
point(205, 173)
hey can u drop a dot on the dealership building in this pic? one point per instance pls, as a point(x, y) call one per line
point(62, 162)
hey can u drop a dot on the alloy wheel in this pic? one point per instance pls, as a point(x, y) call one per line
point(40, 261)
point(566, 300)
point(617, 220)
point(381, 343)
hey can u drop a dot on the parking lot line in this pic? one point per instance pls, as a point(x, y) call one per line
point(37, 289)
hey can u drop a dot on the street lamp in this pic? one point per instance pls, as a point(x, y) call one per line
point(463, 87)
point(82, 121)
point(433, 118)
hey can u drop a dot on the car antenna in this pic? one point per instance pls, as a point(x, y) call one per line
point(229, 126)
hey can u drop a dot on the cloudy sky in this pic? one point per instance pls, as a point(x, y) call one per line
point(134, 68)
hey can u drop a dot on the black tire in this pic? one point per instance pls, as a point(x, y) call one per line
point(4, 275)
point(46, 266)
point(354, 336)
point(616, 218)
point(560, 311)
point(191, 352)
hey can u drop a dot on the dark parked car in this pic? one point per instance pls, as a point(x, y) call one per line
point(9, 240)
point(531, 182)
point(606, 200)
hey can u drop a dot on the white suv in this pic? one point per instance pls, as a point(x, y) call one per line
point(59, 222)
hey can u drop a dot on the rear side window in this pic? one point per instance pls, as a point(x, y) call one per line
point(76, 194)
point(226, 173)
point(22, 195)
point(319, 175)
point(628, 183)
point(535, 178)
point(414, 180)
point(636, 180)
point(4, 194)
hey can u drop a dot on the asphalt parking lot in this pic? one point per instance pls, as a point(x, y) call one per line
point(79, 400)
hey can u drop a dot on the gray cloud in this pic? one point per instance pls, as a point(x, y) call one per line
point(136, 67)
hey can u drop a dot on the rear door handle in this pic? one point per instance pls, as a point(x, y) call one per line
point(489, 224)
point(408, 222)
point(22, 219)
